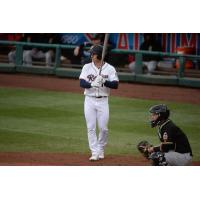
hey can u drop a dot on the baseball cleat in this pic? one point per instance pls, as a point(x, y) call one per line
point(94, 158)
point(101, 156)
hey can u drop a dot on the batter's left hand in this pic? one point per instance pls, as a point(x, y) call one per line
point(95, 84)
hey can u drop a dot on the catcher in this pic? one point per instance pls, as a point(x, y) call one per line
point(174, 149)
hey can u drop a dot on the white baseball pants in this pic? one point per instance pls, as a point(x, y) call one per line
point(97, 111)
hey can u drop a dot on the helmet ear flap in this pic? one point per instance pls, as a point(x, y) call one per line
point(98, 56)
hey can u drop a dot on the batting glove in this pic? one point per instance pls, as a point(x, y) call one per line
point(100, 79)
point(96, 84)
point(103, 80)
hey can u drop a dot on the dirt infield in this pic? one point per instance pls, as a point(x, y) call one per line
point(167, 93)
point(66, 159)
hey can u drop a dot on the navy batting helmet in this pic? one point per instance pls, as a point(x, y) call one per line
point(163, 114)
point(97, 50)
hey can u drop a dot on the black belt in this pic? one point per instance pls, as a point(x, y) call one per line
point(100, 97)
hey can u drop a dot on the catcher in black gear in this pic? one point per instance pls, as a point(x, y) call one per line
point(174, 149)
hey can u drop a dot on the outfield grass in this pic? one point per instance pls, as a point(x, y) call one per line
point(44, 121)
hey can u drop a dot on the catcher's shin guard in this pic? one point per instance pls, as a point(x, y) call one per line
point(158, 159)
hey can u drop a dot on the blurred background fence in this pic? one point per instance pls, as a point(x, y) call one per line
point(181, 67)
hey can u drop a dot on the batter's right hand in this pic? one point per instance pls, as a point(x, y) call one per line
point(96, 84)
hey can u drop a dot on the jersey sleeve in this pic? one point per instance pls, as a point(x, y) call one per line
point(167, 146)
point(113, 75)
point(83, 74)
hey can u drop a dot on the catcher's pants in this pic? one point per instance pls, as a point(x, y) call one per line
point(178, 159)
point(97, 111)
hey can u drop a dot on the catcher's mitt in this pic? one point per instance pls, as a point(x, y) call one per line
point(143, 148)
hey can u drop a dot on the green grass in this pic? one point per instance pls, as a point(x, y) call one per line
point(43, 121)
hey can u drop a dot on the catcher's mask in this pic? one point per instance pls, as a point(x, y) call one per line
point(97, 50)
point(163, 114)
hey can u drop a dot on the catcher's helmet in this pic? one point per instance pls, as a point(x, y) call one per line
point(163, 114)
point(97, 50)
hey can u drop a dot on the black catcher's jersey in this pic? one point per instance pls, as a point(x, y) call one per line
point(172, 138)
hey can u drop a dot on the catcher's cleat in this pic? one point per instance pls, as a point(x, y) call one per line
point(94, 158)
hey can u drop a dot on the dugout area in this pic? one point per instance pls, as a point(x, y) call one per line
point(162, 76)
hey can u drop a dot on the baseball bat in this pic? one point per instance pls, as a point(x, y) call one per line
point(104, 51)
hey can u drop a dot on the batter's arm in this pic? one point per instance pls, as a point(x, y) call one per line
point(112, 84)
point(85, 84)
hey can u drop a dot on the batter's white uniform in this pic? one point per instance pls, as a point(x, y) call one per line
point(96, 106)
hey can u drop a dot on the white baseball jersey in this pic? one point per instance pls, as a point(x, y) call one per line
point(90, 72)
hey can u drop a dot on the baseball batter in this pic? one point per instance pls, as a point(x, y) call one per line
point(97, 79)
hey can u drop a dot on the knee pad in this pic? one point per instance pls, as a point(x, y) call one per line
point(158, 159)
